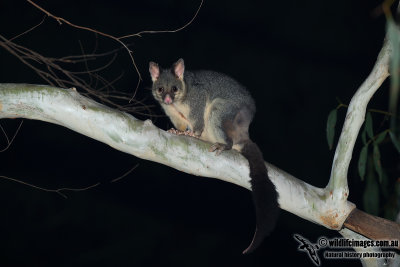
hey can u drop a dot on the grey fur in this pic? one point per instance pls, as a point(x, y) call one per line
point(219, 110)
point(224, 95)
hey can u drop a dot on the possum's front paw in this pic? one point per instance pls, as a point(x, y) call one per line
point(218, 147)
point(174, 131)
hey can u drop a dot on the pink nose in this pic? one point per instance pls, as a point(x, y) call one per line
point(168, 99)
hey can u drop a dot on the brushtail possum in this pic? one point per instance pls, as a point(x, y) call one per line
point(218, 109)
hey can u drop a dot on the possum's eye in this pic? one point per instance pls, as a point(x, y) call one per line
point(160, 89)
point(174, 89)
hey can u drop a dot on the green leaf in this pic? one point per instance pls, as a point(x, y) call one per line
point(371, 192)
point(380, 138)
point(377, 162)
point(392, 205)
point(395, 141)
point(364, 136)
point(368, 125)
point(362, 162)
point(385, 186)
point(330, 127)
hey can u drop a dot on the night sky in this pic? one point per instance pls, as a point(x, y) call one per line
point(295, 57)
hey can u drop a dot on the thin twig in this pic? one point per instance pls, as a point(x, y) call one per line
point(52, 68)
point(12, 139)
point(166, 31)
point(58, 191)
point(61, 20)
point(29, 30)
point(125, 174)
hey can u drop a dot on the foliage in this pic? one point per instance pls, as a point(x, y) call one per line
point(378, 184)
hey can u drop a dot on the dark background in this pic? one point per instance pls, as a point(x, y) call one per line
point(295, 57)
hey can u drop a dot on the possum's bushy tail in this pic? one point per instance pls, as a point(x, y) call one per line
point(265, 195)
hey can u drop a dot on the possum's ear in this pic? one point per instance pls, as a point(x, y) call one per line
point(154, 71)
point(179, 68)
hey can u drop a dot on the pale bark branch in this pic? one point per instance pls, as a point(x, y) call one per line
point(353, 122)
point(68, 108)
point(328, 207)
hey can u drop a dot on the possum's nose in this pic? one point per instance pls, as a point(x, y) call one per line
point(167, 99)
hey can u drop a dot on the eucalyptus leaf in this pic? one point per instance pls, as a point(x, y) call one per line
point(362, 162)
point(330, 127)
point(380, 138)
point(364, 136)
point(368, 125)
point(377, 162)
point(371, 192)
point(392, 205)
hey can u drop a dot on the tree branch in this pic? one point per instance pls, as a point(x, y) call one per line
point(372, 226)
point(328, 207)
point(354, 119)
point(68, 108)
